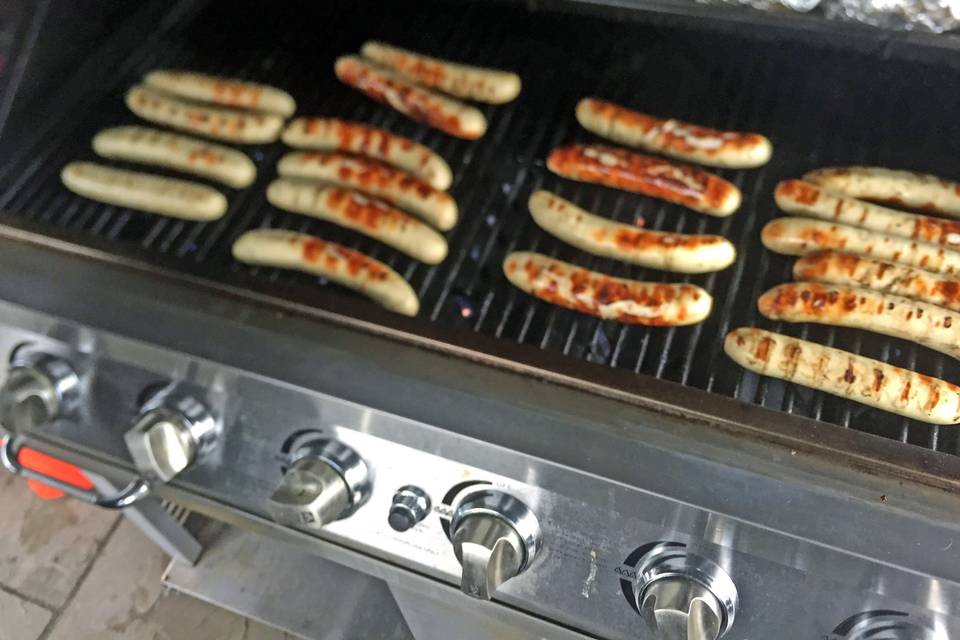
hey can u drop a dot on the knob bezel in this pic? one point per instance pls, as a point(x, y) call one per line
point(197, 429)
point(412, 504)
point(503, 506)
point(50, 379)
point(670, 561)
point(348, 464)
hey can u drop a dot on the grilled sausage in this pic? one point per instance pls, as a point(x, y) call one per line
point(223, 91)
point(356, 211)
point(800, 236)
point(377, 179)
point(895, 279)
point(144, 191)
point(464, 81)
point(857, 308)
point(622, 169)
point(841, 373)
point(223, 124)
point(899, 188)
point(677, 252)
point(649, 303)
point(328, 134)
point(806, 199)
point(181, 153)
point(422, 105)
point(674, 138)
point(291, 250)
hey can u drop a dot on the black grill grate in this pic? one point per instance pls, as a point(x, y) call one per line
point(818, 104)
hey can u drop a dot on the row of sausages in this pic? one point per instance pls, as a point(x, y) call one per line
point(632, 301)
point(373, 182)
point(359, 177)
point(865, 266)
point(198, 105)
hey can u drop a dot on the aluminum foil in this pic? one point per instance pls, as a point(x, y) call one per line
point(932, 15)
point(929, 15)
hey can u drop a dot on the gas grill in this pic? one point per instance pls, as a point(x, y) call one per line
point(627, 442)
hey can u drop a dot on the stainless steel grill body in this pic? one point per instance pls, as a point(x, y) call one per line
point(616, 437)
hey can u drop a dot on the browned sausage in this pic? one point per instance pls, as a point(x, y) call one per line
point(857, 308)
point(292, 250)
point(651, 176)
point(899, 188)
point(806, 199)
point(411, 100)
point(847, 375)
point(844, 268)
point(800, 236)
point(674, 138)
point(377, 179)
point(648, 303)
point(330, 134)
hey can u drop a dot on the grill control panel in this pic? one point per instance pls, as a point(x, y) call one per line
point(608, 559)
point(503, 539)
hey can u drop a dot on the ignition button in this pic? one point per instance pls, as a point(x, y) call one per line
point(411, 504)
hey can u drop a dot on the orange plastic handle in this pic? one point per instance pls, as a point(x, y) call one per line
point(50, 466)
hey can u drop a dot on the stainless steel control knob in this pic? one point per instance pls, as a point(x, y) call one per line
point(38, 388)
point(495, 537)
point(173, 430)
point(411, 504)
point(326, 481)
point(682, 596)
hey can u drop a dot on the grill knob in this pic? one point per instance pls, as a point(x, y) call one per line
point(495, 537)
point(326, 481)
point(39, 387)
point(883, 624)
point(173, 430)
point(411, 504)
point(682, 596)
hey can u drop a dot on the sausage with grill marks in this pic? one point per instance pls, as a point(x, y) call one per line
point(377, 179)
point(674, 138)
point(413, 101)
point(181, 153)
point(309, 254)
point(857, 308)
point(900, 188)
point(630, 301)
point(651, 176)
point(242, 127)
point(807, 199)
point(887, 277)
point(676, 252)
point(331, 134)
point(461, 80)
point(144, 191)
point(228, 92)
point(844, 374)
point(800, 236)
point(361, 213)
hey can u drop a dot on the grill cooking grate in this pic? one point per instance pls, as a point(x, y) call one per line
point(819, 106)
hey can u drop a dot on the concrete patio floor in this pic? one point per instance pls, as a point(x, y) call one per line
point(70, 571)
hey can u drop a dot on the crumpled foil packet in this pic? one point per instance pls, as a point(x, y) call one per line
point(929, 15)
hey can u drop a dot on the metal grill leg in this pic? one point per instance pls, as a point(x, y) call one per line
point(165, 529)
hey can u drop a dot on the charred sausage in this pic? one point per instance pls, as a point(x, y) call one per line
point(651, 176)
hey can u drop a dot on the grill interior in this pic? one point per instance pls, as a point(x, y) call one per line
point(819, 104)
